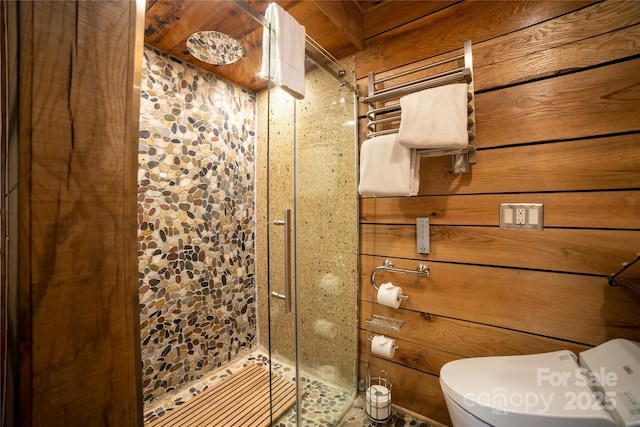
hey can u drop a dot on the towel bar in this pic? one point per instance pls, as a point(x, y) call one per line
point(387, 265)
point(454, 76)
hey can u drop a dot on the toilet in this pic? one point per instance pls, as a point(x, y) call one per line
point(601, 387)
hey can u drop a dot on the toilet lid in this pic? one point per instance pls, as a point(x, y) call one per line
point(615, 373)
point(547, 389)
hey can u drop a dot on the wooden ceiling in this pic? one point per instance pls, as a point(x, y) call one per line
point(336, 25)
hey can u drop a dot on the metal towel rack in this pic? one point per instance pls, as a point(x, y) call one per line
point(387, 265)
point(625, 265)
point(384, 117)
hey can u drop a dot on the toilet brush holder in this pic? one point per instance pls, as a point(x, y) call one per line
point(378, 400)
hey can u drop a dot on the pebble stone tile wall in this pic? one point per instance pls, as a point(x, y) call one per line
point(196, 235)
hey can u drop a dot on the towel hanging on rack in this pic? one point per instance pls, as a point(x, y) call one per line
point(387, 168)
point(435, 118)
point(285, 42)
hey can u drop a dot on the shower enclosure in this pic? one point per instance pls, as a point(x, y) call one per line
point(307, 261)
point(248, 236)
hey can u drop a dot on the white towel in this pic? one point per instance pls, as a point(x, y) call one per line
point(434, 118)
point(387, 168)
point(287, 50)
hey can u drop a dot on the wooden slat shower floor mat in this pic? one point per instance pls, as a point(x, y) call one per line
point(240, 400)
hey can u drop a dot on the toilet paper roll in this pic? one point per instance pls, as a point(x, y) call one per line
point(383, 346)
point(389, 295)
point(378, 399)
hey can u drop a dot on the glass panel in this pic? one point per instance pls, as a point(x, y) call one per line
point(326, 242)
point(280, 324)
point(307, 163)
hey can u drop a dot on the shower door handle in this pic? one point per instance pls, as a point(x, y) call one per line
point(287, 261)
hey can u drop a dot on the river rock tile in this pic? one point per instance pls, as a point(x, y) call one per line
point(196, 217)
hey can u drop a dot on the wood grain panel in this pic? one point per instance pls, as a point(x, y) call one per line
point(335, 25)
point(589, 309)
point(24, 401)
point(346, 17)
point(362, 130)
point(590, 164)
point(470, 21)
point(581, 25)
point(411, 389)
point(331, 37)
point(390, 15)
point(601, 101)
point(568, 42)
point(597, 252)
point(169, 22)
point(77, 114)
point(466, 339)
point(412, 355)
point(561, 209)
point(593, 51)
point(568, 58)
point(556, 124)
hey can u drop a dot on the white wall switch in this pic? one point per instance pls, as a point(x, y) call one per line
point(506, 215)
point(422, 235)
point(534, 216)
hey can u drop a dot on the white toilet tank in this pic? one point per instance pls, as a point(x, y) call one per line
point(546, 390)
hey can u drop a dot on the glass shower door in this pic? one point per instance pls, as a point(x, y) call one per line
point(312, 240)
point(326, 249)
point(281, 324)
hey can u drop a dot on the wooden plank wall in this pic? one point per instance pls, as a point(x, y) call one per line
point(79, 344)
point(558, 122)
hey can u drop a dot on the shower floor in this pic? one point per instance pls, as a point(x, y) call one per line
point(323, 405)
point(241, 399)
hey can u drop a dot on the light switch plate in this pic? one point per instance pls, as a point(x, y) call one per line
point(521, 216)
point(422, 235)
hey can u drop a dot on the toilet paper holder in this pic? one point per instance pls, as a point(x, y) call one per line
point(394, 346)
point(387, 265)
